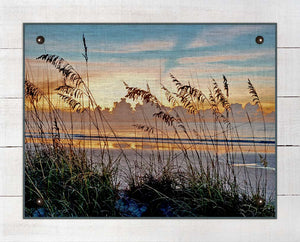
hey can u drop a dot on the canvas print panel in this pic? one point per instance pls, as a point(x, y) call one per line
point(149, 120)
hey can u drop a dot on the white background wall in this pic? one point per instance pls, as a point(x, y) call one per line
point(284, 12)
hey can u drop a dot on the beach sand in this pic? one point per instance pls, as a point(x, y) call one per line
point(138, 161)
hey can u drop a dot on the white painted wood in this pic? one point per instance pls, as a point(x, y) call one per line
point(11, 122)
point(11, 69)
point(11, 172)
point(11, 72)
point(288, 120)
point(286, 228)
point(14, 13)
point(288, 170)
point(288, 72)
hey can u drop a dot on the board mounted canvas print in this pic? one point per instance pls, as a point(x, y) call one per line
point(149, 120)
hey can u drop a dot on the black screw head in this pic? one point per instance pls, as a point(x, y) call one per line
point(40, 202)
point(40, 40)
point(260, 202)
point(259, 40)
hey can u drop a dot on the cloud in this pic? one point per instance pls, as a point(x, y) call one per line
point(197, 43)
point(122, 112)
point(215, 35)
point(206, 70)
point(224, 57)
point(145, 111)
point(114, 68)
point(105, 77)
point(147, 45)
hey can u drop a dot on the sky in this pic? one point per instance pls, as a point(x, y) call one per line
point(142, 54)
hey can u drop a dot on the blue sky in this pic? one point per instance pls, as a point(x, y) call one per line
point(189, 51)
